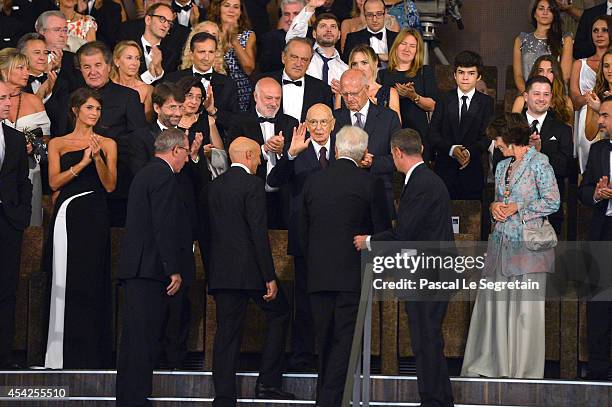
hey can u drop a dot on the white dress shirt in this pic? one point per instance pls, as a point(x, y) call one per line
point(317, 148)
point(183, 17)
point(90, 5)
point(267, 130)
point(244, 167)
point(161, 126)
point(204, 81)
point(540, 120)
point(379, 46)
point(147, 77)
point(36, 85)
point(609, 8)
point(460, 94)
point(293, 98)
point(364, 114)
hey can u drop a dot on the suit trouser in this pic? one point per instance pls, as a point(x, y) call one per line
point(231, 306)
point(145, 304)
point(425, 321)
point(176, 327)
point(302, 337)
point(335, 314)
point(10, 259)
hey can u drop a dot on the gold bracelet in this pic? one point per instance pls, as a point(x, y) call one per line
point(416, 99)
point(73, 173)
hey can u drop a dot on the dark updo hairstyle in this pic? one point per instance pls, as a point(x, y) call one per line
point(185, 84)
point(512, 128)
point(78, 99)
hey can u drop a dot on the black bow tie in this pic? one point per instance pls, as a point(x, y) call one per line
point(377, 35)
point(288, 82)
point(178, 8)
point(206, 76)
point(262, 119)
point(148, 49)
point(40, 78)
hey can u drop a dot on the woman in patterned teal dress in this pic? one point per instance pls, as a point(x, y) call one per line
point(238, 41)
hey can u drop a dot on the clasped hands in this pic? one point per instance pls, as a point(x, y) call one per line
point(502, 211)
point(462, 155)
point(602, 189)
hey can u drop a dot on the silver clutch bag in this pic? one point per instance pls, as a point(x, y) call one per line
point(539, 238)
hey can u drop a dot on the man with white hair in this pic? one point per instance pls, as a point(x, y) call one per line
point(339, 201)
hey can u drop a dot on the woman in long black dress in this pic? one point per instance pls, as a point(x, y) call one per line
point(82, 170)
point(415, 82)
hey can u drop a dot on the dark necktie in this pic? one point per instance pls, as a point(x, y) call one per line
point(148, 49)
point(40, 78)
point(534, 127)
point(358, 121)
point(206, 76)
point(464, 107)
point(262, 119)
point(377, 35)
point(325, 71)
point(178, 8)
point(323, 158)
point(288, 82)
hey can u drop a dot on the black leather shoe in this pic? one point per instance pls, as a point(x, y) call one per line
point(276, 393)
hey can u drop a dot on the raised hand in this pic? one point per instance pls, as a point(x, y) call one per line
point(209, 102)
point(156, 61)
point(195, 146)
point(335, 87)
point(194, 18)
point(299, 142)
point(47, 87)
point(602, 189)
point(86, 160)
point(275, 144)
point(56, 59)
point(94, 146)
point(535, 140)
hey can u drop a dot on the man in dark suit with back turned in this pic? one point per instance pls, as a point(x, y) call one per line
point(271, 129)
point(155, 252)
point(583, 44)
point(301, 158)
point(423, 216)
point(457, 130)
point(596, 191)
point(222, 97)
point(376, 35)
point(378, 121)
point(15, 211)
point(240, 268)
point(122, 118)
point(300, 91)
point(340, 202)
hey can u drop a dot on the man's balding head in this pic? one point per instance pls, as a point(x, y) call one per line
point(267, 94)
point(245, 151)
point(354, 89)
point(320, 122)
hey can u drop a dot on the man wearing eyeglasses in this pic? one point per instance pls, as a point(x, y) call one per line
point(159, 37)
point(376, 35)
point(45, 82)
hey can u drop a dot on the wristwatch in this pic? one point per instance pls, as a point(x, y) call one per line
point(214, 115)
point(416, 99)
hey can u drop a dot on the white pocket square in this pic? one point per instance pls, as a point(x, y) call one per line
point(553, 138)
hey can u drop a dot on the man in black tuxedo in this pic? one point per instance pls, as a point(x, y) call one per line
point(300, 91)
point(222, 97)
point(378, 121)
point(44, 82)
point(156, 253)
point(235, 204)
point(457, 130)
point(551, 137)
point(301, 159)
point(108, 17)
point(596, 191)
point(122, 118)
point(53, 26)
point(376, 35)
point(188, 13)
point(423, 216)
point(271, 129)
point(272, 43)
point(583, 43)
point(159, 56)
point(15, 211)
point(340, 202)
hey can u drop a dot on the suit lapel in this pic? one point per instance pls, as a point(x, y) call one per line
point(546, 130)
point(390, 38)
point(371, 119)
point(8, 149)
point(605, 159)
point(308, 96)
point(453, 113)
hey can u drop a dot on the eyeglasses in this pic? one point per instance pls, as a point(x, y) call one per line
point(378, 14)
point(187, 150)
point(352, 94)
point(163, 20)
point(58, 30)
point(314, 123)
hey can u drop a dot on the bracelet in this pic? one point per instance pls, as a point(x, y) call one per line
point(73, 173)
point(416, 99)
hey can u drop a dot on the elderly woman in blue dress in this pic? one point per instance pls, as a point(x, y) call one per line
point(506, 335)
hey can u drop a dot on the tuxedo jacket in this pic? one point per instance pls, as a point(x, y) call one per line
point(270, 49)
point(363, 37)
point(11, 30)
point(598, 165)
point(226, 96)
point(69, 73)
point(557, 144)
point(108, 18)
point(424, 213)
point(157, 241)
point(15, 186)
point(294, 173)
point(315, 91)
point(56, 106)
point(340, 202)
point(445, 131)
point(235, 203)
point(248, 126)
point(583, 43)
point(380, 124)
point(202, 16)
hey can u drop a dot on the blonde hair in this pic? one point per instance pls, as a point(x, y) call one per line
point(419, 57)
point(187, 62)
point(9, 59)
point(117, 52)
point(370, 56)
